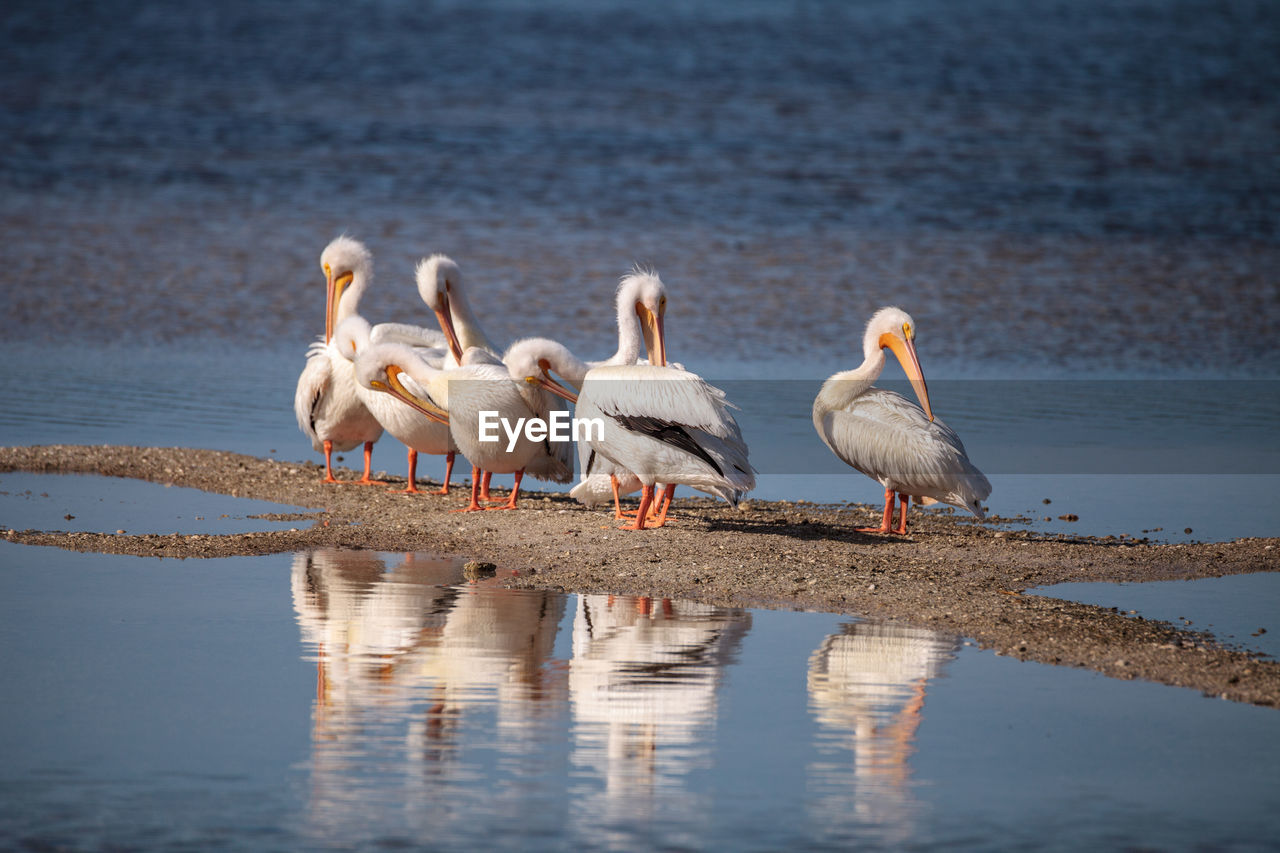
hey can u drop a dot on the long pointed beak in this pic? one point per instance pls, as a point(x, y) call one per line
point(554, 387)
point(330, 305)
point(906, 353)
point(654, 338)
point(445, 319)
point(396, 388)
point(336, 287)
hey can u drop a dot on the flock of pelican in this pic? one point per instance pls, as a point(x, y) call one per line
point(663, 425)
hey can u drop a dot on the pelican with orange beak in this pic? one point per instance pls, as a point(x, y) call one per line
point(889, 438)
point(328, 409)
point(661, 424)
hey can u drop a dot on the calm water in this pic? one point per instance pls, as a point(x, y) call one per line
point(361, 700)
point(1067, 196)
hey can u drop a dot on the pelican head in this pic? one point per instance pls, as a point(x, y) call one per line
point(643, 292)
point(438, 278)
point(532, 360)
point(347, 266)
point(382, 367)
point(352, 336)
point(893, 329)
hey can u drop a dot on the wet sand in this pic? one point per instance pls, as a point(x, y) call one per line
point(950, 574)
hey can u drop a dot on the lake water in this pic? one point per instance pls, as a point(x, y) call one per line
point(360, 700)
point(1077, 201)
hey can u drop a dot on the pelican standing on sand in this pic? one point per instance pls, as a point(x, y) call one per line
point(328, 408)
point(457, 396)
point(662, 424)
point(889, 438)
point(419, 433)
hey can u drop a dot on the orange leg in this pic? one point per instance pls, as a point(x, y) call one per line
point(646, 498)
point(668, 491)
point(904, 501)
point(887, 525)
point(368, 461)
point(448, 472)
point(515, 493)
point(328, 463)
point(412, 487)
point(475, 491)
point(618, 515)
point(484, 489)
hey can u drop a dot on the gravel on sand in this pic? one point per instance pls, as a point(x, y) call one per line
point(950, 574)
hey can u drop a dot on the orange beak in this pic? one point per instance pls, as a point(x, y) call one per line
point(445, 319)
point(654, 339)
point(334, 288)
point(906, 353)
point(396, 388)
point(549, 384)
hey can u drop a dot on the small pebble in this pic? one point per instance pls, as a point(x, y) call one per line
point(1046, 500)
point(1187, 530)
point(1069, 517)
point(120, 532)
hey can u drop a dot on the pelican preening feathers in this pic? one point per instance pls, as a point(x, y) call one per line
point(328, 408)
point(660, 425)
point(888, 438)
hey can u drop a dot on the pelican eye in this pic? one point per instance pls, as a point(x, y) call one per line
point(908, 332)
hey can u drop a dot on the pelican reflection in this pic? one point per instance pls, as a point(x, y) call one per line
point(867, 690)
point(411, 662)
point(642, 683)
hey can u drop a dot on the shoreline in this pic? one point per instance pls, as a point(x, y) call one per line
point(951, 574)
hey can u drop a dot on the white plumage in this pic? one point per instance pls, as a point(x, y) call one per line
point(458, 396)
point(661, 424)
point(889, 438)
point(326, 403)
point(371, 349)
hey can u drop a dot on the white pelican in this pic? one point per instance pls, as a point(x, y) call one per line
point(439, 282)
point(600, 478)
point(328, 409)
point(457, 396)
point(354, 339)
point(662, 424)
point(440, 285)
point(889, 438)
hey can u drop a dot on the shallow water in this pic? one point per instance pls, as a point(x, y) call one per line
point(1141, 458)
point(353, 700)
point(1239, 610)
point(81, 502)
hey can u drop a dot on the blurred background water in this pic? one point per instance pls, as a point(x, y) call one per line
point(1055, 190)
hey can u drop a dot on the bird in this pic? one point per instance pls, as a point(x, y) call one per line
point(458, 396)
point(890, 439)
point(440, 284)
point(661, 423)
point(328, 409)
point(354, 339)
point(600, 478)
point(439, 280)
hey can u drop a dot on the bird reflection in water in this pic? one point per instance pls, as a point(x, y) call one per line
point(867, 691)
point(643, 684)
point(407, 657)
